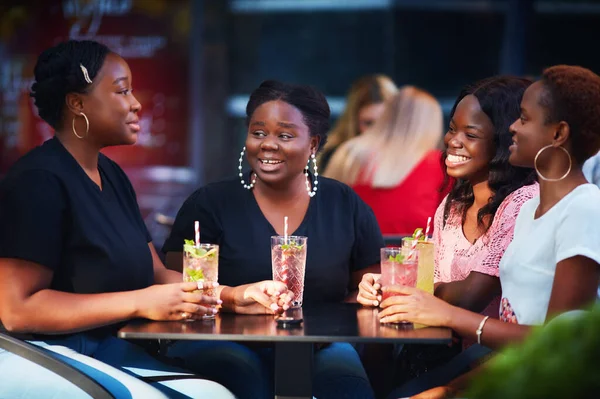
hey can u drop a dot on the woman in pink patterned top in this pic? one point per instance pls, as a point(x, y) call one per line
point(475, 223)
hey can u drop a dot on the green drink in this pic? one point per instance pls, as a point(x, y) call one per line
point(426, 263)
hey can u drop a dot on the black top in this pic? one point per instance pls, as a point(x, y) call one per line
point(53, 214)
point(343, 236)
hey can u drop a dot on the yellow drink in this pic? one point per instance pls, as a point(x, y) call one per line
point(426, 264)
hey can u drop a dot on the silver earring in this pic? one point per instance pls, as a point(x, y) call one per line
point(313, 192)
point(252, 175)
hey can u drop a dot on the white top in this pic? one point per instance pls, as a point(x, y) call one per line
point(591, 169)
point(569, 228)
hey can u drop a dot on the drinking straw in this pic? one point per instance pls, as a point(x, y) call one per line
point(427, 228)
point(284, 265)
point(197, 231)
point(413, 246)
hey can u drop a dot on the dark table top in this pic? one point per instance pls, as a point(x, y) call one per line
point(328, 323)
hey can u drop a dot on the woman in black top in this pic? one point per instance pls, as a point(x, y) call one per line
point(287, 124)
point(75, 257)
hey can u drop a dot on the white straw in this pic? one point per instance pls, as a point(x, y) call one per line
point(285, 228)
point(197, 231)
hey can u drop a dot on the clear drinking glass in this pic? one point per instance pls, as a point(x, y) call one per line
point(426, 263)
point(288, 258)
point(201, 263)
point(397, 269)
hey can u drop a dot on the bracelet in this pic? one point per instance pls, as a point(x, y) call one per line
point(480, 329)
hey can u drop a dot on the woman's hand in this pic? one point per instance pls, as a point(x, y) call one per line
point(265, 297)
point(415, 306)
point(369, 293)
point(176, 301)
point(435, 393)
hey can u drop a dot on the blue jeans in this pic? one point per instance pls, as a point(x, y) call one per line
point(113, 362)
point(443, 374)
point(338, 371)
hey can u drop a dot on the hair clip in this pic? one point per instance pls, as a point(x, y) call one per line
point(85, 73)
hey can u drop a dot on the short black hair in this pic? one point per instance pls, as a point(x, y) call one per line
point(572, 94)
point(57, 72)
point(309, 101)
point(500, 99)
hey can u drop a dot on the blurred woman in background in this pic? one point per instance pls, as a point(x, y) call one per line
point(364, 105)
point(395, 166)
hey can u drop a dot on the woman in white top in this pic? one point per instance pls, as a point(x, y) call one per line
point(553, 263)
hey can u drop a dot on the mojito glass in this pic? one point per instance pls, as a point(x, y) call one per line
point(288, 259)
point(201, 263)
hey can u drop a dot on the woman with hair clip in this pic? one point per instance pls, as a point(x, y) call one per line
point(364, 105)
point(553, 263)
point(394, 166)
point(76, 259)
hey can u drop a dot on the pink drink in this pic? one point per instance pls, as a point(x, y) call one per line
point(396, 269)
point(289, 263)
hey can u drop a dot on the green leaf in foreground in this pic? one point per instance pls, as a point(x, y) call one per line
point(557, 361)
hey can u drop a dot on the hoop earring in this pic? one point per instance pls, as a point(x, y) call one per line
point(87, 126)
point(246, 186)
point(538, 171)
point(313, 192)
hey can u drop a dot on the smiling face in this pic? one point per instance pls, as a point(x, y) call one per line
point(469, 142)
point(530, 132)
point(110, 106)
point(279, 143)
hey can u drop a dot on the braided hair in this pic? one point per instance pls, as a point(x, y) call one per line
point(58, 72)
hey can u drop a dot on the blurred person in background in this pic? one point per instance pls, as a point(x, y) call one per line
point(394, 166)
point(591, 169)
point(364, 105)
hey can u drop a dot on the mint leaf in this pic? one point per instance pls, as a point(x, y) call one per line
point(190, 248)
point(399, 258)
point(195, 275)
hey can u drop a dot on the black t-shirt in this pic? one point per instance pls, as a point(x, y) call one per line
point(343, 236)
point(53, 214)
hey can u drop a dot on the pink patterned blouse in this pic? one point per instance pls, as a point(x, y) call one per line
point(456, 257)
